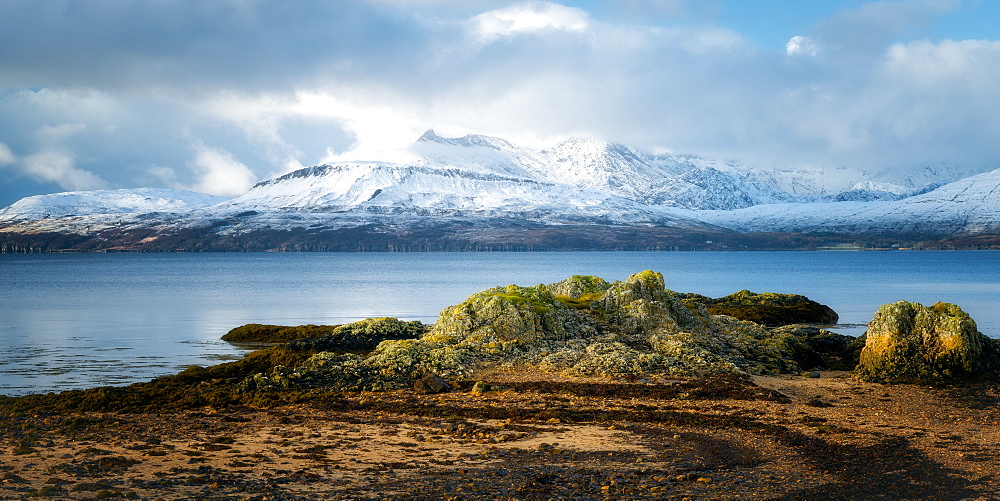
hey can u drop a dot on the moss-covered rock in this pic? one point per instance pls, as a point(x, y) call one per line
point(263, 333)
point(812, 347)
point(579, 288)
point(771, 309)
point(506, 318)
point(362, 336)
point(913, 343)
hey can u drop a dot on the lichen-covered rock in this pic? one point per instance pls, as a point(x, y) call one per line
point(346, 372)
point(812, 347)
point(580, 287)
point(505, 318)
point(641, 304)
point(772, 309)
point(581, 326)
point(361, 336)
point(913, 343)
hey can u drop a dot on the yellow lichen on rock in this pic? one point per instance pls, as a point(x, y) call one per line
point(911, 342)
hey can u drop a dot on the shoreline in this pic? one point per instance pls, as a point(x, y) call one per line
point(776, 437)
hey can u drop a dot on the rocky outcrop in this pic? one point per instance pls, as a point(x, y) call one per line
point(362, 336)
point(263, 333)
point(909, 342)
point(770, 309)
point(813, 347)
point(580, 326)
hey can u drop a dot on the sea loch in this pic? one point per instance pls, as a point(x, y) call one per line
point(84, 320)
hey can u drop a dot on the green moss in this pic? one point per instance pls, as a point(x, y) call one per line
point(583, 302)
point(261, 333)
point(577, 286)
point(771, 309)
point(538, 299)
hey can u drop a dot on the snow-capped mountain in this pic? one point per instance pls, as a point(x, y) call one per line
point(85, 203)
point(435, 189)
point(664, 180)
point(967, 206)
point(477, 189)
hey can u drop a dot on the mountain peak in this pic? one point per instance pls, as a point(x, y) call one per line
point(467, 140)
point(429, 137)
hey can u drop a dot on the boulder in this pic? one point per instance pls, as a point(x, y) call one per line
point(910, 342)
point(771, 309)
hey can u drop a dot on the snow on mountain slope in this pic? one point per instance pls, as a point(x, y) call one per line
point(969, 205)
point(478, 153)
point(382, 188)
point(598, 165)
point(671, 181)
point(82, 203)
point(708, 188)
point(844, 183)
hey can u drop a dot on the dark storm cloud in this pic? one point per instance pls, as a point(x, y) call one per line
point(250, 45)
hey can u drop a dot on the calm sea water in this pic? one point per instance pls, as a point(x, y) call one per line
point(84, 320)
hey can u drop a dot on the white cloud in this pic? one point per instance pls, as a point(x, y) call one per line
point(164, 174)
point(706, 39)
point(948, 63)
point(801, 46)
point(57, 133)
point(528, 17)
point(57, 167)
point(381, 132)
point(6, 156)
point(219, 173)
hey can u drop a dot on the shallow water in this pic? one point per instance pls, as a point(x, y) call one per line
point(83, 320)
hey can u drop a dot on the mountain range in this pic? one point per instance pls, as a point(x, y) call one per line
point(485, 193)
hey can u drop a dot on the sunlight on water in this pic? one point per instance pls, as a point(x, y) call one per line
point(84, 320)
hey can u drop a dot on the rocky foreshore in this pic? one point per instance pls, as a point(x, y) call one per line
point(582, 389)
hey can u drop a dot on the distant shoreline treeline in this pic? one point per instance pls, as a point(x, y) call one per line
point(460, 238)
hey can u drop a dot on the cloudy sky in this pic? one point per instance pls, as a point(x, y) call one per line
point(213, 96)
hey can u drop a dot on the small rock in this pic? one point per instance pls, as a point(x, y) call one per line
point(812, 374)
point(480, 388)
point(431, 384)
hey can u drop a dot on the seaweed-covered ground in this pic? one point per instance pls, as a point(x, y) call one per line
point(723, 436)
